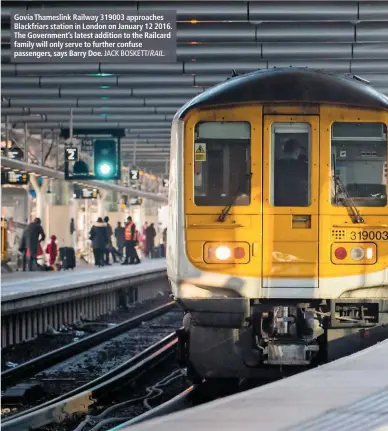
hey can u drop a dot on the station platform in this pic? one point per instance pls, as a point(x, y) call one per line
point(28, 284)
point(33, 301)
point(350, 394)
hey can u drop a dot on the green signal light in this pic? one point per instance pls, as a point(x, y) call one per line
point(105, 169)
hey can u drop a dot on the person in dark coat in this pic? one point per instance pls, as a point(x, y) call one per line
point(165, 237)
point(29, 244)
point(150, 239)
point(99, 236)
point(110, 248)
point(120, 239)
point(165, 242)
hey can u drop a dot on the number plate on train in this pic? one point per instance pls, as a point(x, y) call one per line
point(372, 235)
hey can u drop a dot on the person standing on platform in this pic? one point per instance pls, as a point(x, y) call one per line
point(52, 250)
point(120, 239)
point(30, 243)
point(110, 248)
point(99, 236)
point(73, 234)
point(144, 239)
point(150, 239)
point(165, 242)
point(130, 236)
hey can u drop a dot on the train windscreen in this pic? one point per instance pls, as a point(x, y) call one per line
point(359, 151)
point(221, 163)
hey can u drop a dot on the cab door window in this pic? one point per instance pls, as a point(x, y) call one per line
point(291, 154)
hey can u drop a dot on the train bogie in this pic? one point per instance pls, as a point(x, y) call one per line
point(278, 230)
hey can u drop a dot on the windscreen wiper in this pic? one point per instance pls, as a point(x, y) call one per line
point(221, 218)
point(347, 199)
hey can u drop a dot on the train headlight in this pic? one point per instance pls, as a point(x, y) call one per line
point(369, 253)
point(357, 253)
point(226, 252)
point(223, 252)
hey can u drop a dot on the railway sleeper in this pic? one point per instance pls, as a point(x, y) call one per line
point(23, 393)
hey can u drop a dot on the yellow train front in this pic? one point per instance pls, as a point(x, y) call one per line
point(278, 231)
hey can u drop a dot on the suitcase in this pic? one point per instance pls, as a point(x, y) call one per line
point(67, 258)
point(157, 253)
point(19, 262)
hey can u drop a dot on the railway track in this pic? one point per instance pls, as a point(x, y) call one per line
point(79, 402)
point(199, 394)
point(80, 409)
point(103, 354)
point(34, 366)
point(179, 402)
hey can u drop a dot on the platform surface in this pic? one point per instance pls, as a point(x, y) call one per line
point(24, 284)
point(350, 394)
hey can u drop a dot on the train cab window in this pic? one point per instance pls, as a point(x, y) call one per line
point(291, 154)
point(222, 163)
point(359, 161)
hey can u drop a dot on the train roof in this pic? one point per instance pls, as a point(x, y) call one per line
point(290, 85)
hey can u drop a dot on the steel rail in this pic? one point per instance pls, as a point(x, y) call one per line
point(81, 399)
point(179, 402)
point(28, 369)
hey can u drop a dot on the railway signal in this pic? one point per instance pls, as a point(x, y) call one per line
point(105, 159)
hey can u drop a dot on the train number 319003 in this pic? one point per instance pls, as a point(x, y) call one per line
point(373, 235)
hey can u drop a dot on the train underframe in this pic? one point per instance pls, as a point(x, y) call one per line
point(242, 338)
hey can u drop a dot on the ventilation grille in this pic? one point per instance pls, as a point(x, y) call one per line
point(338, 234)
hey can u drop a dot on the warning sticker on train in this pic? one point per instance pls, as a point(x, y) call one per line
point(200, 152)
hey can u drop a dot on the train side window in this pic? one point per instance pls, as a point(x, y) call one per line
point(221, 163)
point(359, 159)
point(291, 165)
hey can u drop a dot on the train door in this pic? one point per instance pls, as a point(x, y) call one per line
point(290, 204)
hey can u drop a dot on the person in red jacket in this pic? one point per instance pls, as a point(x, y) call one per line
point(52, 250)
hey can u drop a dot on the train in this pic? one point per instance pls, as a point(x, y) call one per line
point(278, 224)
